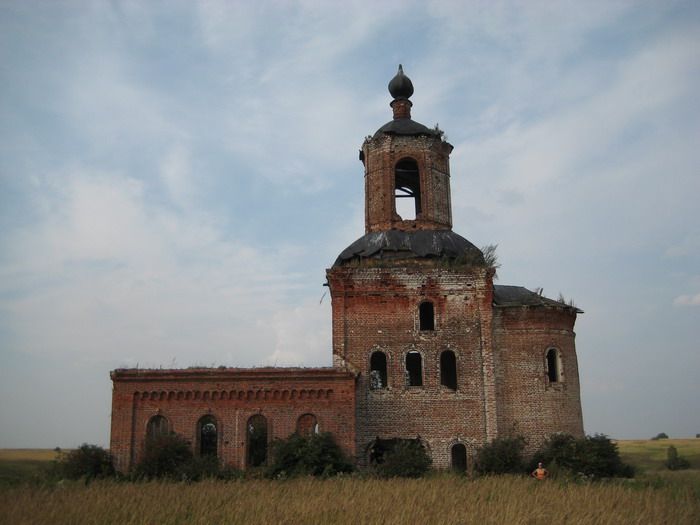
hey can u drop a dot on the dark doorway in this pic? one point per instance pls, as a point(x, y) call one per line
point(207, 436)
point(257, 441)
point(459, 457)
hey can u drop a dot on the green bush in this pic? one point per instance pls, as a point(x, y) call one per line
point(313, 455)
point(87, 461)
point(501, 456)
point(166, 456)
point(407, 459)
point(674, 461)
point(662, 435)
point(590, 456)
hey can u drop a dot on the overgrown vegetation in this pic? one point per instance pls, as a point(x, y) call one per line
point(165, 457)
point(439, 132)
point(591, 456)
point(170, 456)
point(407, 459)
point(85, 462)
point(675, 461)
point(501, 456)
point(570, 302)
point(312, 455)
point(564, 456)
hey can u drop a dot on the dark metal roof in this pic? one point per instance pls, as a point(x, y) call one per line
point(519, 296)
point(398, 244)
point(404, 126)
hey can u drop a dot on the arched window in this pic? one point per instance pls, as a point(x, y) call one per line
point(157, 426)
point(426, 316)
point(377, 370)
point(553, 366)
point(208, 436)
point(256, 439)
point(414, 369)
point(407, 189)
point(459, 457)
point(307, 425)
point(448, 369)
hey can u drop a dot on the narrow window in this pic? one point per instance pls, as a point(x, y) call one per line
point(448, 369)
point(307, 425)
point(459, 457)
point(207, 436)
point(377, 373)
point(414, 369)
point(257, 440)
point(426, 316)
point(553, 372)
point(407, 189)
point(157, 426)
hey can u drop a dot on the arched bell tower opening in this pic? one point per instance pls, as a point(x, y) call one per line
point(407, 189)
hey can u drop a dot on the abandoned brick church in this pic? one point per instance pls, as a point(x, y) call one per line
point(425, 346)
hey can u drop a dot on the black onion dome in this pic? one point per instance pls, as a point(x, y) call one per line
point(398, 245)
point(401, 87)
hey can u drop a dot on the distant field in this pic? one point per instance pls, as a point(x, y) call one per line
point(19, 464)
point(650, 454)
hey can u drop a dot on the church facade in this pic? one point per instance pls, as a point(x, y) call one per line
point(425, 346)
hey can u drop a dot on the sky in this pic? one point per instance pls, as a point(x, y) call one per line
point(176, 176)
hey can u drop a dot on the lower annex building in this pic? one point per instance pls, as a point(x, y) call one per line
point(425, 346)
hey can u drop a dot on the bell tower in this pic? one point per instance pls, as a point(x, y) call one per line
point(412, 300)
point(407, 172)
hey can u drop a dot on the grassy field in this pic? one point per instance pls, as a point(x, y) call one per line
point(655, 497)
point(440, 499)
point(650, 455)
point(22, 464)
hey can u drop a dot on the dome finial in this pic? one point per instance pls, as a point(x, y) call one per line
point(401, 87)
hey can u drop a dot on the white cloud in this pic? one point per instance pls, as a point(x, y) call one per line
point(111, 273)
point(303, 335)
point(687, 300)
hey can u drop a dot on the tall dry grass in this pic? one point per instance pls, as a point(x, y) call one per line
point(439, 500)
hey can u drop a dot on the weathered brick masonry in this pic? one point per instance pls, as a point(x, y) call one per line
point(231, 397)
point(425, 346)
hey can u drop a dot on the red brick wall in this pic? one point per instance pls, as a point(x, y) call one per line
point(377, 309)
point(231, 396)
point(527, 401)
